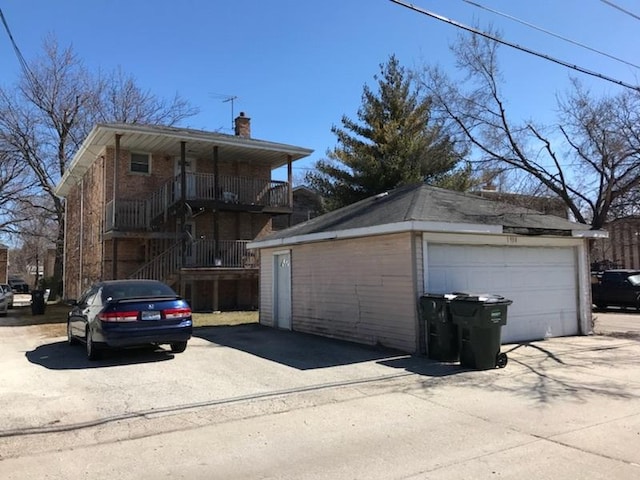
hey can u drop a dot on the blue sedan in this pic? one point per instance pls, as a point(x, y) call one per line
point(124, 313)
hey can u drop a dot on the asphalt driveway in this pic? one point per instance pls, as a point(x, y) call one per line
point(253, 402)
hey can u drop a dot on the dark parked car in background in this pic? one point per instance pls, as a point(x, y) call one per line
point(18, 285)
point(620, 288)
point(124, 313)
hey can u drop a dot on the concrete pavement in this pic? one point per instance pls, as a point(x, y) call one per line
point(562, 409)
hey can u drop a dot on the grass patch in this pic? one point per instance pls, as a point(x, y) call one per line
point(53, 322)
point(224, 318)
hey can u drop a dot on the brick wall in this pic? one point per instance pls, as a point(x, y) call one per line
point(86, 205)
point(621, 249)
point(4, 263)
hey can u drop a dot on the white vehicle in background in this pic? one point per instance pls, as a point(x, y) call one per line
point(8, 293)
point(4, 304)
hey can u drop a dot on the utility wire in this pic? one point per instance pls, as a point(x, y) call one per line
point(530, 25)
point(516, 46)
point(23, 63)
point(618, 7)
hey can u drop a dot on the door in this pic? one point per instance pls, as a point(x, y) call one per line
point(190, 170)
point(541, 282)
point(282, 290)
point(87, 307)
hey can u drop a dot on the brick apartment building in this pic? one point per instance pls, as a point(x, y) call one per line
point(177, 205)
point(621, 249)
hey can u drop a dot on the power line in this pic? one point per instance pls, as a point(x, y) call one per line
point(618, 7)
point(23, 63)
point(516, 46)
point(530, 25)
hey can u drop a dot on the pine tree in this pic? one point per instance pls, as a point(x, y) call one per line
point(397, 141)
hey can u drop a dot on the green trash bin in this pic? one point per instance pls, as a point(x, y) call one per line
point(441, 332)
point(479, 319)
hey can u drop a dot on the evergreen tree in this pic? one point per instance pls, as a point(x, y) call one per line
point(397, 141)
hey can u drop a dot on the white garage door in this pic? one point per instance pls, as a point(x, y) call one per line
point(540, 281)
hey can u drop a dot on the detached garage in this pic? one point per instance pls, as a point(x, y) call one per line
point(357, 273)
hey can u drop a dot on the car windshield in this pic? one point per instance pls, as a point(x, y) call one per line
point(634, 280)
point(125, 290)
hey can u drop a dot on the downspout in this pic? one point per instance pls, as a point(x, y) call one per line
point(102, 219)
point(81, 270)
point(290, 181)
point(64, 252)
point(114, 241)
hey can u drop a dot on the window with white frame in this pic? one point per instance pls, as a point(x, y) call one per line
point(140, 163)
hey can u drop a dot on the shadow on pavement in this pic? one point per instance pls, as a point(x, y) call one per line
point(62, 356)
point(305, 351)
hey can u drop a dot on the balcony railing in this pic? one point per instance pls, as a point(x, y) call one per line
point(162, 266)
point(199, 254)
point(133, 214)
point(223, 253)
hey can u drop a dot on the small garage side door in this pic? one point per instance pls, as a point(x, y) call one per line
point(541, 281)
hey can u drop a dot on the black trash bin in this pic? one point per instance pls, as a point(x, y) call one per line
point(38, 304)
point(479, 319)
point(442, 333)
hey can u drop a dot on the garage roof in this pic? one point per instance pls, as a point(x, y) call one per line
point(427, 208)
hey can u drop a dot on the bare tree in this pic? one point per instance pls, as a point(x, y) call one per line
point(590, 159)
point(45, 117)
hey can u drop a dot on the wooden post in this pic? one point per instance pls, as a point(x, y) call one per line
point(183, 202)
point(114, 241)
point(216, 186)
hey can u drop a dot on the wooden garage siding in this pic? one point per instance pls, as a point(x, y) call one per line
point(359, 290)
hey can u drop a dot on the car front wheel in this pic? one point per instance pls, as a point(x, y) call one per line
point(92, 350)
point(70, 338)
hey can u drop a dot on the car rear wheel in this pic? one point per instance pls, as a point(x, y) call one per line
point(178, 347)
point(93, 353)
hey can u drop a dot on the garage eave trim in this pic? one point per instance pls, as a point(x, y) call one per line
point(417, 226)
point(590, 234)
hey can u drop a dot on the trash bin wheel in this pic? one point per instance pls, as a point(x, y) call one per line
point(501, 360)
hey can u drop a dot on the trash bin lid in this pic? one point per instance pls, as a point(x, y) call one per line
point(483, 298)
point(441, 296)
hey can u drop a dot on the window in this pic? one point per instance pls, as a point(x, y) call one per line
point(140, 163)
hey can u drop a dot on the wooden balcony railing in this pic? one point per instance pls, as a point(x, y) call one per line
point(162, 266)
point(134, 214)
point(200, 254)
point(223, 253)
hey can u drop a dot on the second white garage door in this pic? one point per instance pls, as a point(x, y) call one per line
point(542, 282)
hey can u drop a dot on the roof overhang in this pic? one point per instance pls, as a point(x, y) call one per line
point(410, 226)
point(389, 228)
point(152, 139)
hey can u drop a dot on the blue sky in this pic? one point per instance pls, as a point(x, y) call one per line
point(297, 66)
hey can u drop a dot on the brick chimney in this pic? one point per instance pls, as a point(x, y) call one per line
point(243, 126)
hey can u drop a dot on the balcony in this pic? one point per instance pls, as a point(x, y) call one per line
point(204, 255)
point(220, 254)
point(201, 190)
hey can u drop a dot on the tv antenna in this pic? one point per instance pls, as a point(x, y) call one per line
point(228, 99)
